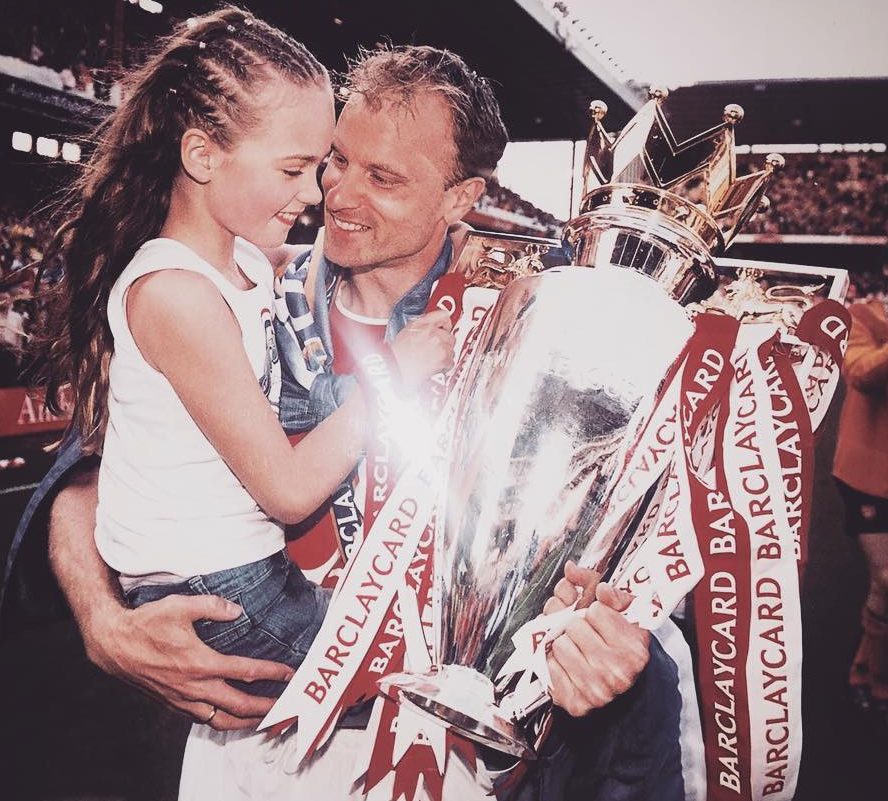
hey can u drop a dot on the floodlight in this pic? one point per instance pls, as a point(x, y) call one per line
point(47, 146)
point(22, 141)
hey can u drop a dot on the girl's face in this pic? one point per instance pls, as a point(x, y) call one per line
point(269, 175)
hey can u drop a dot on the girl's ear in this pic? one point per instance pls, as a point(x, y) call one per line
point(199, 155)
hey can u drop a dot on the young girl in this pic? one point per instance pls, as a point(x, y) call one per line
point(162, 328)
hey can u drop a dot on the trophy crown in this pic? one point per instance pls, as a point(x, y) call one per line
point(733, 114)
point(598, 110)
point(700, 172)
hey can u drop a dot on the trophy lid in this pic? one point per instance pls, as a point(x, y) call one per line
point(700, 172)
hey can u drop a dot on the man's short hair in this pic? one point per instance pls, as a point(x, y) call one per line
point(397, 74)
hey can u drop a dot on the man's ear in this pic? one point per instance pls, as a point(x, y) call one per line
point(462, 197)
point(199, 154)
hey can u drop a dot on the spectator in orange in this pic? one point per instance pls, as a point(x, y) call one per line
point(861, 471)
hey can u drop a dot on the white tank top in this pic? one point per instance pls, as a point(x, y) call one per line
point(168, 503)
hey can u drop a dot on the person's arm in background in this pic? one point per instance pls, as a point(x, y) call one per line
point(154, 647)
point(866, 361)
point(601, 654)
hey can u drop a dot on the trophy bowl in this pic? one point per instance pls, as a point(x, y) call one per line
point(563, 374)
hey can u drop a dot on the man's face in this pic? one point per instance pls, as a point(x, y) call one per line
point(385, 184)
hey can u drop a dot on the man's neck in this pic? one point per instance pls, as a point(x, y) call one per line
point(374, 291)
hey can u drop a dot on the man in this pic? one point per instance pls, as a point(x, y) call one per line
point(417, 138)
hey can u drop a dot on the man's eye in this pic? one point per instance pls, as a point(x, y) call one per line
point(337, 160)
point(382, 180)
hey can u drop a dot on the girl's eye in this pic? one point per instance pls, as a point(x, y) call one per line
point(293, 173)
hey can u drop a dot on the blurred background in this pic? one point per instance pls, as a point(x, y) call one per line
point(813, 80)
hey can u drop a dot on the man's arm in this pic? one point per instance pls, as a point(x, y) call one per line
point(153, 647)
point(601, 654)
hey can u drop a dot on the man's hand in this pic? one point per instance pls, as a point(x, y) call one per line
point(578, 584)
point(424, 347)
point(601, 654)
point(156, 649)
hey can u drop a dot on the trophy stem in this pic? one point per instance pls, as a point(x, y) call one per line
point(463, 699)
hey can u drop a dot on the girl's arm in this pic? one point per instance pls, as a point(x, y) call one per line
point(174, 315)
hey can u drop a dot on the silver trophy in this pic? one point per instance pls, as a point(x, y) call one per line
point(565, 372)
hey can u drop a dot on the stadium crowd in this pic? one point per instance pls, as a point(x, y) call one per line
point(503, 199)
point(868, 285)
point(70, 46)
point(825, 193)
point(22, 240)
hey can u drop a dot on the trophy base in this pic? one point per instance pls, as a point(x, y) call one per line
point(464, 700)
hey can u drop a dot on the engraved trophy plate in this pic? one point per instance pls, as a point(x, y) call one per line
point(767, 292)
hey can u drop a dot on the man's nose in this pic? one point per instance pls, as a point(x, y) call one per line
point(342, 189)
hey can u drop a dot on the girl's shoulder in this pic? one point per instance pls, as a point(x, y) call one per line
point(167, 266)
point(164, 254)
point(167, 296)
point(161, 254)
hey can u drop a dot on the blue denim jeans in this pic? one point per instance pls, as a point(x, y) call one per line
point(282, 613)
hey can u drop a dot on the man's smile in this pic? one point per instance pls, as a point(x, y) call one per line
point(345, 225)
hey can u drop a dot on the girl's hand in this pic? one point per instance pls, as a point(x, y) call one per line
point(424, 347)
